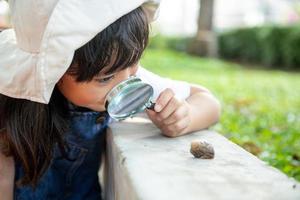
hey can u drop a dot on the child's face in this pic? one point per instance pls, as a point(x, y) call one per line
point(92, 94)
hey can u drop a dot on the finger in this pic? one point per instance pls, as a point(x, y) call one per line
point(153, 117)
point(170, 108)
point(178, 127)
point(169, 132)
point(163, 99)
point(151, 114)
point(180, 113)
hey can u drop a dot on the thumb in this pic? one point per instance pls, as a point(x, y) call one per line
point(151, 114)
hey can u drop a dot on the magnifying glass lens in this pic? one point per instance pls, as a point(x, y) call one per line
point(128, 98)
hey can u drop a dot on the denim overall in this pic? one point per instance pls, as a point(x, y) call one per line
point(77, 178)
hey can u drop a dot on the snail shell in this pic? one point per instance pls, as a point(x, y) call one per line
point(202, 149)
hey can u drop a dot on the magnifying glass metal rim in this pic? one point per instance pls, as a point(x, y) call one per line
point(122, 86)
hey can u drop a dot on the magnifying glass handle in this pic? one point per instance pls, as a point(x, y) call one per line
point(150, 106)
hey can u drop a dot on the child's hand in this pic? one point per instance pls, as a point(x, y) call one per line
point(171, 115)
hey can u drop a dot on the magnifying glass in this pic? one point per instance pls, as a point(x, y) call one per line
point(128, 98)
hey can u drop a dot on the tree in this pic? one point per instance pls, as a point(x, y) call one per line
point(204, 42)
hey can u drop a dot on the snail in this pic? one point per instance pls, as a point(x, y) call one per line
point(202, 149)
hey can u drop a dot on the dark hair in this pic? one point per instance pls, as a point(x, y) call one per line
point(125, 39)
point(30, 130)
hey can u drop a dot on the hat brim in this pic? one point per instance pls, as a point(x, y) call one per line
point(33, 76)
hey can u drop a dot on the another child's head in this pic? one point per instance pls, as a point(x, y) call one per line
point(29, 130)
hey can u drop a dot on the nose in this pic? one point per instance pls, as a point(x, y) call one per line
point(130, 71)
point(127, 73)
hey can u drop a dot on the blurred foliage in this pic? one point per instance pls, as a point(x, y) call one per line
point(260, 109)
point(174, 43)
point(271, 46)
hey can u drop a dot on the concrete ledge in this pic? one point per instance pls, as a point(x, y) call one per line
point(143, 164)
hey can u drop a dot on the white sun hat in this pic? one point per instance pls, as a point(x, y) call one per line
point(38, 50)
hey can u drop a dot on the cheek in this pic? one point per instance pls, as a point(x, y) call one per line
point(82, 94)
point(85, 96)
point(91, 96)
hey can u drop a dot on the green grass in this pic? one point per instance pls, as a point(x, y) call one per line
point(260, 109)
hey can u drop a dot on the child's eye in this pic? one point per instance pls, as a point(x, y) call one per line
point(105, 79)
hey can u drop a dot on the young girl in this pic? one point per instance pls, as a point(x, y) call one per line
point(52, 101)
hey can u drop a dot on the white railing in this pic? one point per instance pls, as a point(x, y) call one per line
point(142, 164)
